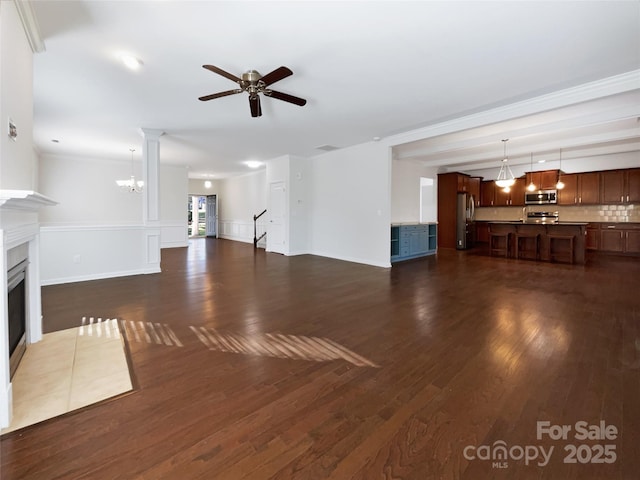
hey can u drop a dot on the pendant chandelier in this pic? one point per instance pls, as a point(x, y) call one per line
point(131, 185)
point(505, 176)
point(532, 186)
point(560, 184)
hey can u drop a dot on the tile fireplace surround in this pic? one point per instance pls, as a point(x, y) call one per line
point(19, 240)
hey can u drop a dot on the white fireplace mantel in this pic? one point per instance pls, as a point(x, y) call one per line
point(23, 200)
point(19, 225)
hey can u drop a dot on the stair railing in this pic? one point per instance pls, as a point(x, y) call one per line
point(256, 239)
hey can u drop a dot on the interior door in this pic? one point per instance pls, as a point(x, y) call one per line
point(212, 216)
point(276, 225)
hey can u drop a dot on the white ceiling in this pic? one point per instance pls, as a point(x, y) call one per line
point(367, 69)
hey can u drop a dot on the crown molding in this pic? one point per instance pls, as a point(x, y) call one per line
point(614, 85)
point(30, 25)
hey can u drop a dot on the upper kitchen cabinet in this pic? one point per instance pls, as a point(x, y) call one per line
point(473, 185)
point(633, 185)
point(515, 196)
point(569, 194)
point(517, 192)
point(487, 193)
point(545, 180)
point(620, 186)
point(580, 189)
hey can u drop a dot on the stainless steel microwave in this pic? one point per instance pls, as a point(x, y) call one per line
point(541, 197)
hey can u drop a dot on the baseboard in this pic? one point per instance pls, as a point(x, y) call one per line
point(99, 276)
point(363, 261)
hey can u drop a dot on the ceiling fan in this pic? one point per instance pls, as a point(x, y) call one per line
point(253, 83)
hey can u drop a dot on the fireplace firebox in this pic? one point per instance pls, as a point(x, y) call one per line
point(17, 303)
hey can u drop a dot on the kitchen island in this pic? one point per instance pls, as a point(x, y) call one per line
point(550, 242)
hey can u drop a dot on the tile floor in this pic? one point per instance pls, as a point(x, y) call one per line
point(68, 370)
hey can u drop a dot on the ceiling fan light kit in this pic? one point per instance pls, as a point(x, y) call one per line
point(255, 84)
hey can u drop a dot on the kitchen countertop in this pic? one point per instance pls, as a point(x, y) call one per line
point(412, 223)
point(519, 222)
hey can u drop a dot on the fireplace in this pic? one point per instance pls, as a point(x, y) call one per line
point(17, 303)
point(20, 300)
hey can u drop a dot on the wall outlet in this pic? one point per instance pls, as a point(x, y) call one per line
point(77, 259)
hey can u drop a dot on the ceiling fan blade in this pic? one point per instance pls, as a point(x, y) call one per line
point(220, 94)
point(286, 97)
point(219, 71)
point(254, 105)
point(275, 76)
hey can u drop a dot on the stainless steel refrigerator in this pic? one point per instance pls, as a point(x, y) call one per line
point(465, 216)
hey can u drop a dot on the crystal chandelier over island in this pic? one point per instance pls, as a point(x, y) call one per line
point(505, 178)
point(131, 185)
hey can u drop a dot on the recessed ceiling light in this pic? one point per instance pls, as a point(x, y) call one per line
point(541, 161)
point(131, 62)
point(207, 184)
point(253, 164)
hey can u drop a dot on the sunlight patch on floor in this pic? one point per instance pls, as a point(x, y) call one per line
point(67, 370)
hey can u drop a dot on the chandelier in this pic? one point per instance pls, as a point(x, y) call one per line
point(505, 176)
point(560, 184)
point(532, 186)
point(131, 185)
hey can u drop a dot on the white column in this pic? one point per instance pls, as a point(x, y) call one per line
point(151, 196)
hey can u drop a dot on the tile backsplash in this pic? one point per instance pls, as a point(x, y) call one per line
point(585, 213)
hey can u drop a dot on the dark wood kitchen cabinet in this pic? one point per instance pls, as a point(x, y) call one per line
point(592, 240)
point(612, 186)
point(611, 239)
point(515, 196)
point(482, 232)
point(633, 185)
point(589, 188)
point(632, 241)
point(580, 189)
point(620, 238)
point(544, 180)
point(620, 186)
point(473, 188)
point(569, 194)
point(487, 193)
point(449, 185)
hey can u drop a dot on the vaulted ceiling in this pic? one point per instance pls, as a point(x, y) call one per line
point(366, 69)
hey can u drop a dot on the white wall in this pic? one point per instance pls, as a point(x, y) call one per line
point(241, 198)
point(196, 187)
point(405, 190)
point(86, 192)
point(349, 204)
point(299, 182)
point(97, 230)
point(173, 206)
point(17, 159)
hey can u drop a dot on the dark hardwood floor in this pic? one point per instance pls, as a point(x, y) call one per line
point(466, 351)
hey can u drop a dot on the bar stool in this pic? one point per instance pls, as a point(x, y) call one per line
point(502, 238)
point(568, 252)
point(522, 240)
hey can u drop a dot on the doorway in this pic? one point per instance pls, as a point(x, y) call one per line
point(203, 216)
point(276, 225)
